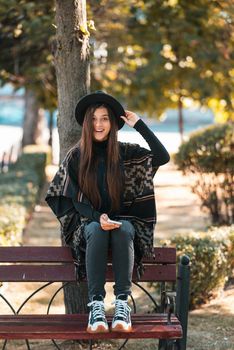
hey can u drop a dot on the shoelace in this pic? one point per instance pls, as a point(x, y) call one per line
point(121, 308)
point(98, 309)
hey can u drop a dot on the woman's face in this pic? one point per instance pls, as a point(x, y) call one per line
point(101, 124)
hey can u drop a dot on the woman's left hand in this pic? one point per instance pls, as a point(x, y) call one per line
point(131, 118)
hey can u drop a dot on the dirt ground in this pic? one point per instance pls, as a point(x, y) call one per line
point(211, 327)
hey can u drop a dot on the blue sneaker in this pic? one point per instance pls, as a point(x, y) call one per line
point(97, 319)
point(122, 318)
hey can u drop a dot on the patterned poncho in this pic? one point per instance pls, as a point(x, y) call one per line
point(138, 203)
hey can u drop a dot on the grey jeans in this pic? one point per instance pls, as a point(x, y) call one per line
point(120, 241)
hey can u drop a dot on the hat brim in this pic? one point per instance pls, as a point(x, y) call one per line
point(99, 97)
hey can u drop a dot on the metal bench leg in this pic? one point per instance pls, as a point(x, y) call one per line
point(182, 298)
point(90, 344)
point(4, 345)
point(161, 344)
point(28, 346)
point(167, 344)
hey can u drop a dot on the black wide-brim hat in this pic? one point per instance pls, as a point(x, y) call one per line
point(99, 97)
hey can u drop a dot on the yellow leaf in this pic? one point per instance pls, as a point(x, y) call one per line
point(91, 24)
point(83, 30)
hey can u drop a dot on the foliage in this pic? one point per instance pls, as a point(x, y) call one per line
point(26, 37)
point(209, 158)
point(212, 261)
point(149, 54)
point(167, 51)
point(19, 190)
point(12, 222)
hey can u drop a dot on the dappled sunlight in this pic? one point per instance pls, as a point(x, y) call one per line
point(39, 302)
point(211, 326)
point(179, 210)
point(49, 225)
point(50, 171)
point(223, 304)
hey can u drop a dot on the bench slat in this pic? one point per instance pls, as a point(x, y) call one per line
point(63, 255)
point(63, 273)
point(82, 319)
point(74, 327)
point(35, 254)
point(36, 273)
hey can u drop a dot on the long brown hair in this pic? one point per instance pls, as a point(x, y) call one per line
point(88, 163)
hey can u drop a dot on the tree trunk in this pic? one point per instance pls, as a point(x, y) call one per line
point(51, 122)
point(33, 120)
point(181, 119)
point(73, 81)
point(72, 68)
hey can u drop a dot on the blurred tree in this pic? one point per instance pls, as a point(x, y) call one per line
point(110, 20)
point(26, 60)
point(161, 53)
point(47, 96)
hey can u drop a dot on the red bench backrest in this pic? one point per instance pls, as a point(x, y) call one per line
point(55, 264)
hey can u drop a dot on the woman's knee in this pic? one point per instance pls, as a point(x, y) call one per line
point(126, 230)
point(93, 230)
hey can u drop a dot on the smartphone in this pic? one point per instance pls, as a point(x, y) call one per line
point(114, 222)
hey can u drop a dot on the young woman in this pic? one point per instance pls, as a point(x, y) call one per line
point(100, 180)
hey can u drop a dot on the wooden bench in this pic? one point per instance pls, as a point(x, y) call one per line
point(55, 264)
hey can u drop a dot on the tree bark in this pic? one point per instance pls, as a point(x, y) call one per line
point(33, 120)
point(181, 119)
point(51, 120)
point(71, 53)
point(72, 68)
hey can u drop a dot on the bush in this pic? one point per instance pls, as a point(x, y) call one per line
point(12, 222)
point(19, 192)
point(212, 261)
point(209, 157)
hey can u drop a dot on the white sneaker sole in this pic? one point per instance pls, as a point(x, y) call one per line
point(99, 328)
point(121, 327)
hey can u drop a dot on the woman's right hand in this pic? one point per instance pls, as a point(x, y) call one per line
point(130, 118)
point(105, 225)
